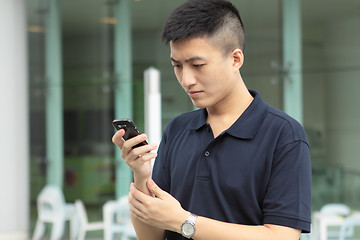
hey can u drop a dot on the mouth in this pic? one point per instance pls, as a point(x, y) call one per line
point(194, 94)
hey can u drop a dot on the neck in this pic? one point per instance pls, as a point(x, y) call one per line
point(232, 105)
point(222, 116)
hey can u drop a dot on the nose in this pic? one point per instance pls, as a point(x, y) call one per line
point(187, 78)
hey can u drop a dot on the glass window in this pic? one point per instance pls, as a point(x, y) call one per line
point(331, 44)
point(37, 95)
point(331, 70)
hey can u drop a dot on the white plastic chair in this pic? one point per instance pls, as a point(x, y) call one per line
point(347, 228)
point(335, 209)
point(85, 225)
point(117, 219)
point(53, 209)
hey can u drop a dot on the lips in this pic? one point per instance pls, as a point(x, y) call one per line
point(194, 94)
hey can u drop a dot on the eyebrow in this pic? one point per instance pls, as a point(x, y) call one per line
point(187, 60)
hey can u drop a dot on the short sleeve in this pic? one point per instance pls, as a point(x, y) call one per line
point(288, 198)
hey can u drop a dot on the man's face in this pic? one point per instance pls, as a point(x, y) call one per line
point(206, 74)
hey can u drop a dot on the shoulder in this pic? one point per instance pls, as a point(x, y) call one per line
point(185, 121)
point(270, 123)
point(288, 128)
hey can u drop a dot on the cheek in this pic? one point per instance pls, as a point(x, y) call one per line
point(216, 78)
point(223, 74)
point(177, 74)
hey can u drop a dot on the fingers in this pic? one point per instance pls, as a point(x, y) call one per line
point(117, 138)
point(154, 189)
point(138, 201)
point(138, 159)
point(155, 211)
point(136, 195)
point(138, 155)
point(128, 150)
point(135, 140)
point(119, 141)
point(133, 210)
point(141, 151)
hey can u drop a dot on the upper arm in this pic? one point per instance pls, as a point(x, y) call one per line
point(284, 233)
point(288, 198)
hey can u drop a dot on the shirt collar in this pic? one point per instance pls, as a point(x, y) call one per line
point(249, 122)
point(246, 125)
point(199, 120)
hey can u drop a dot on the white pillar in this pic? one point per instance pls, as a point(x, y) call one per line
point(152, 105)
point(123, 88)
point(292, 56)
point(14, 177)
point(54, 96)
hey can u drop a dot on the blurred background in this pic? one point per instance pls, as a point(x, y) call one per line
point(84, 66)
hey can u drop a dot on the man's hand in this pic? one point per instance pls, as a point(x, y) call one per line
point(138, 159)
point(162, 211)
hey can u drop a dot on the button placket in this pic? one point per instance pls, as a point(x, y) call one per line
point(204, 166)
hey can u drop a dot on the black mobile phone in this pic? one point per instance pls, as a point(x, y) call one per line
point(130, 129)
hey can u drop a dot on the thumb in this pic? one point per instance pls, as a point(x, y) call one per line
point(154, 189)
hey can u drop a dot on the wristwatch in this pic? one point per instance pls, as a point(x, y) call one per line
point(188, 227)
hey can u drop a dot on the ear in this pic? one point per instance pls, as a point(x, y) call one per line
point(238, 58)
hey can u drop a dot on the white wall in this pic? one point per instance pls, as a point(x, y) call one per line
point(14, 200)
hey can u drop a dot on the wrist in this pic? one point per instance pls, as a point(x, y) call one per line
point(140, 184)
point(180, 219)
point(188, 226)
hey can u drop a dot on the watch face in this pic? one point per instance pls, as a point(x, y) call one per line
point(188, 229)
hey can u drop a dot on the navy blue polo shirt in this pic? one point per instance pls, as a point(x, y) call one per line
point(256, 172)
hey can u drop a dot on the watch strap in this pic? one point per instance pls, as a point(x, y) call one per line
point(192, 218)
point(189, 221)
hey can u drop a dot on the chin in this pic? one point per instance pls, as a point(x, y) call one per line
point(199, 105)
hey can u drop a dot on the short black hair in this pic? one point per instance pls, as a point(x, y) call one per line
point(206, 18)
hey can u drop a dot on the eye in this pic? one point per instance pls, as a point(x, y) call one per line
point(198, 65)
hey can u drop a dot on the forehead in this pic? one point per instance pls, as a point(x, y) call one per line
point(199, 46)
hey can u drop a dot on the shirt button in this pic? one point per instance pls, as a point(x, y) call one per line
point(207, 153)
